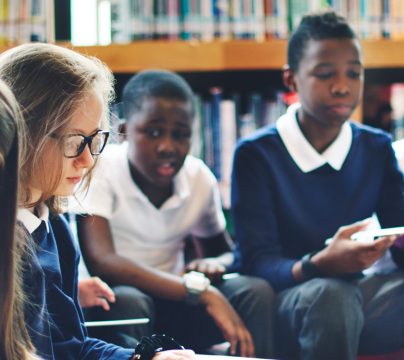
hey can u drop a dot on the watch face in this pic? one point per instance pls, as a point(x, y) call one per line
point(196, 281)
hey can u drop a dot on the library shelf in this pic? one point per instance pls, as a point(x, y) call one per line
point(219, 55)
point(226, 55)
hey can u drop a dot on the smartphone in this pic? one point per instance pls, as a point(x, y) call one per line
point(372, 235)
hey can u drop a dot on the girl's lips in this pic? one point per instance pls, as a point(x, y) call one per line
point(74, 180)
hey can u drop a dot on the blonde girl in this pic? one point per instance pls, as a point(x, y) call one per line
point(64, 97)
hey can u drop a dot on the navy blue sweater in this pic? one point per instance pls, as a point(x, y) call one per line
point(282, 213)
point(53, 314)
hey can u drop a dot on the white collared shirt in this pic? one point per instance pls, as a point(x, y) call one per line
point(30, 220)
point(151, 236)
point(306, 157)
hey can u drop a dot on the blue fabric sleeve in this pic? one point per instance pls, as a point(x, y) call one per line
point(255, 220)
point(68, 333)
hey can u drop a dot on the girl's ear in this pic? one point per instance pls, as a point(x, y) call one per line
point(288, 77)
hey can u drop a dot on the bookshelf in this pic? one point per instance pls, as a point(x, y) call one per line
point(188, 56)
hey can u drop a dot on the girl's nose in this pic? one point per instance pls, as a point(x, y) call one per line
point(86, 159)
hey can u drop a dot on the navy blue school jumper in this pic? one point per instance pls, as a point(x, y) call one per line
point(282, 213)
point(53, 314)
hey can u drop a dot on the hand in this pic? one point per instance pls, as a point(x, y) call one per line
point(95, 292)
point(228, 322)
point(344, 256)
point(211, 267)
point(174, 355)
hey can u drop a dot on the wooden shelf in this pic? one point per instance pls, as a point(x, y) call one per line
point(226, 55)
point(190, 56)
point(223, 55)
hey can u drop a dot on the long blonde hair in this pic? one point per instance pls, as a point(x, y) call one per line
point(50, 82)
point(14, 339)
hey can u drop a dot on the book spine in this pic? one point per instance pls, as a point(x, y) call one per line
point(216, 96)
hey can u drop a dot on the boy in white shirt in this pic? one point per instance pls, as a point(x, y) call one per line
point(148, 195)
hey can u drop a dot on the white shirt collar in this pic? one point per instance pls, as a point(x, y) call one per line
point(302, 152)
point(31, 221)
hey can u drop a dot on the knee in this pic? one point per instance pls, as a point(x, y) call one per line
point(253, 291)
point(133, 300)
point(331, 299)
point(261, 289)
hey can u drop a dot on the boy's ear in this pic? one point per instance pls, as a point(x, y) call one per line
point(289, 78)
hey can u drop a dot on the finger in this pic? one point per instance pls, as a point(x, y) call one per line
point(230, 335)
point(185, 352)
point(246, 344)
point(203, 267)
point(192, 265)
point(233, 346)
point(103, 303)
point(216, 269)
point(251, 347)
point(175, 355)
point(383, 243)
point(103, 290)
point(348, 230)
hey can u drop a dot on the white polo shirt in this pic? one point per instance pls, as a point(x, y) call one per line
point(151, 236)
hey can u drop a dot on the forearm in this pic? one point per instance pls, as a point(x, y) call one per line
point(118, 270)
point(277, 271)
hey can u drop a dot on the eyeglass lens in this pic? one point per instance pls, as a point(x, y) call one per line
point(75, 144)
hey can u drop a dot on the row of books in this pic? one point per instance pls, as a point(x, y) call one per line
point(131, 20)
point(26, 20)
point(221, 120)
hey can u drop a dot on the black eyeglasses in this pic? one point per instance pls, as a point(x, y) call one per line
point(74, 144)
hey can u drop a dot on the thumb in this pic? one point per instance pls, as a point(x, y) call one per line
point(345, 232)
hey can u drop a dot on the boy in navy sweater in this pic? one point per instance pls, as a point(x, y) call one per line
point(298, 183)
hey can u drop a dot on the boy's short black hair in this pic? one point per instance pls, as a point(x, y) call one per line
point(318, 26)
point(153, 83)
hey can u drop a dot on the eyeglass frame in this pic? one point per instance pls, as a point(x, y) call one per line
point(87, 141)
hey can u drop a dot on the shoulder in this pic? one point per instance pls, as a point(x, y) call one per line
point(264, 140)
point(370, 135)
point(371, 145)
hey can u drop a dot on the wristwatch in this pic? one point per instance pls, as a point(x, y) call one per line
point(309, 270)
point(195, 283)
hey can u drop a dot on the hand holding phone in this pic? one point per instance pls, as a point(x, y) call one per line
point(372, 235)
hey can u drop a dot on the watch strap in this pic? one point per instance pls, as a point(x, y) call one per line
point(310, 270)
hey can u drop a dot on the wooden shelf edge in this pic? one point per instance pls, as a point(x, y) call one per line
point(194, 56)
point(190, 55)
